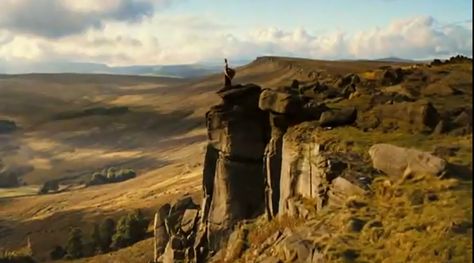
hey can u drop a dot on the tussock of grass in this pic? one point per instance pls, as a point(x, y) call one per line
point(422, 219)
point(263, 229)
point(415, 219)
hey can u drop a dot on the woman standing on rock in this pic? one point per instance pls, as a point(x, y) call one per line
point(228, 74)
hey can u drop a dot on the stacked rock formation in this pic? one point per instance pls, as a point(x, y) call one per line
point(175, 231)
point(285, 109)
point(249, 169)
point(232, 179)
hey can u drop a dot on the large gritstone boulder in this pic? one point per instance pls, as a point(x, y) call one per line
point(415, 116)
point(311, 171)
point(335, 118)
point(299, 108)
point(398, 161)
point(280, 102)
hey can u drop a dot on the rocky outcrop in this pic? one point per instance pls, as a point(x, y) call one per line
point(310, 171)
point(267, 154)
point(250, 168)
point(285, 110)
point(233, 181)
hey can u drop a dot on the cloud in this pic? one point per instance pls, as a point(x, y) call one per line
point(186, 39)
point(418, 37)
point(60, 18)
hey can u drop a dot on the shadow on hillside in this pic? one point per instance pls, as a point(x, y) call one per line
point(141, 164)
point(131, 130)
point(47, 232)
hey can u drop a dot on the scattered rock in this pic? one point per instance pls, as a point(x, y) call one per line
point(341, 190)
point(417, 116)
point(348, 80)
point(440, 128)
point(391, 76)
point(236, 244)
point(333, 118)
point(279, 102)
point(464, 119)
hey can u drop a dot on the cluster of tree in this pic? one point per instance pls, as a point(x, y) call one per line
point(7, 126)
point(111, 175)
point(105, 237)
point(49, 186)
point(8, 180)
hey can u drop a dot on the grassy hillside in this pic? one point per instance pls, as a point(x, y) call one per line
point(162, 136)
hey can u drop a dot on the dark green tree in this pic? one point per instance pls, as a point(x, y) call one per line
point(106, 231)
point(121, 237)
point(74, 246)
point(138, 225)
point(130, 229)
point(57, 253)
point(95, 239)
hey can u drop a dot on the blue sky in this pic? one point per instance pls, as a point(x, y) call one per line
point(131, 32)
point(319, 15)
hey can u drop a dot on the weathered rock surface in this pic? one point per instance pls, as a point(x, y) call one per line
point(417, 116)
point(297, 107)
point(279, 102)
point(160, 231)
point(175, 231)
point(309, 171)
point(397, 161)
point(233, 178)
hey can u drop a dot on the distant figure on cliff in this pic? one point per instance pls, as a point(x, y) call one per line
point(228, 75)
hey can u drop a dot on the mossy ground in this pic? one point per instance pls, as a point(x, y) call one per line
point(420, 219)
